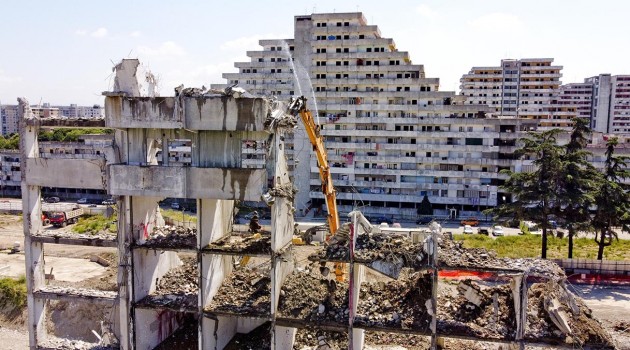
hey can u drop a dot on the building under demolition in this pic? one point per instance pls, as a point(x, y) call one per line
point(214, 285)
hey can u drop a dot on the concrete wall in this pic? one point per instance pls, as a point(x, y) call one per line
point(154, 327)
point(224, 113)
point(186, 182)
point(66, 173)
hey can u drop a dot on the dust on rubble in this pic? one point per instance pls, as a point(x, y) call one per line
point(178, 288)
point(245, 292)
point(410, 341)
point(172, 237)
point(257, 339)
point(311, 338)
point(243, 243)
point(400, 304)
point(306, 296)
point(75, 321)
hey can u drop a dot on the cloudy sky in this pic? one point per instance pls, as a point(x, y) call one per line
point(62, 51)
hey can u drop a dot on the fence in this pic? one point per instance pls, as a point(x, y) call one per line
point(592, 266)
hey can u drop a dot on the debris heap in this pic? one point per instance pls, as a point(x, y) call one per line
point(388, 247)
point(453, 255)
point(314, 299)
point(411, 341)
point(245, 292)
point(172, 237)
point(477, 310)
point(310, 338)
point(177, 289)
point(556, 316)
point(400, 304)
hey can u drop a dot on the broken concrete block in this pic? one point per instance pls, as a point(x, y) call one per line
point(470, 293)
point(558, 317)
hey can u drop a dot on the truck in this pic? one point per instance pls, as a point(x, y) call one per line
point(63, 218)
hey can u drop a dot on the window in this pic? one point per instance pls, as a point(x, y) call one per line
point(346, 50)
point(346, 37)
point(361, 36)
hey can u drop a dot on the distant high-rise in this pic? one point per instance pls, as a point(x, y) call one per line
point(523, 87)
point(8, 114)
point(610, 111)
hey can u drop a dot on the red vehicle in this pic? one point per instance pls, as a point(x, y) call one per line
point(470, 221)
point(63, 218)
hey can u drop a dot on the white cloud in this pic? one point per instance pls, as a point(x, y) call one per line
point(246, 43)
point(425, 11)
point(497, 21)
point(166, 49)
point(135, 34)
point(99, 33)
point(8, 79)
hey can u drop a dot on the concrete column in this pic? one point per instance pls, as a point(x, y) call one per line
point(214, 219)
point(125, 273)
point(32, 216)
point(283, 338)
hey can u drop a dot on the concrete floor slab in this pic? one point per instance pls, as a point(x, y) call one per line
point(64, 269)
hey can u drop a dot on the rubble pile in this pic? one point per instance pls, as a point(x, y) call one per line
point(337, 248)
point(411, 341)
point(314, 299)
point(556, 316)
point(179, 287)
point(478, 310)
point(318, 339)
point(245, 292)
point(389, 247)
point(453, 255)
point(172, 237)
point(60, 234)
point(257, 339)
point(243, 244)
point(54, 343)
point(401, 304)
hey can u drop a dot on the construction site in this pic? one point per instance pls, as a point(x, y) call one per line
point(218, 285)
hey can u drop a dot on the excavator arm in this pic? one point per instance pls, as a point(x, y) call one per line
point(298, 106)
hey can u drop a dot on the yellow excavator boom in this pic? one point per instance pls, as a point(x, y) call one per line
point(298, 106)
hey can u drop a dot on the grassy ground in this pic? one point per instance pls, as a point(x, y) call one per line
point(177, 215)
point(12, 292)
point(529, 246)
point(95, 224)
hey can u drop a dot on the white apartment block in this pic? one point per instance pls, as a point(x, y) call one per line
point(392, 135)
point(9, 119)
point(611, 103)
point(524, 88)
point(75, 111)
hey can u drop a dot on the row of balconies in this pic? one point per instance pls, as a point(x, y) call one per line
point(417, 198)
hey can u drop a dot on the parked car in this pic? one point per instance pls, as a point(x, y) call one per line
point(175, 205)
point(424, 220)
point(497, 231)
point(52, 200)
point(109, 201)
point(470, 221)
point(82, 201)
point(468, 229)
point(483, 231)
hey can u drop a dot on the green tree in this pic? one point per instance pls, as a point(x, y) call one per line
point(579, 181)
point(535, 193)
point(612, 199)
point(425, 207)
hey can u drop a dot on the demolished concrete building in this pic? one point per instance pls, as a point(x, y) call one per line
point(194, 286)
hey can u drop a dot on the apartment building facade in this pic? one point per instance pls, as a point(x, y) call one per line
point(392, 136)
point(610, 110)
point(518, 87)
point(9, 119)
